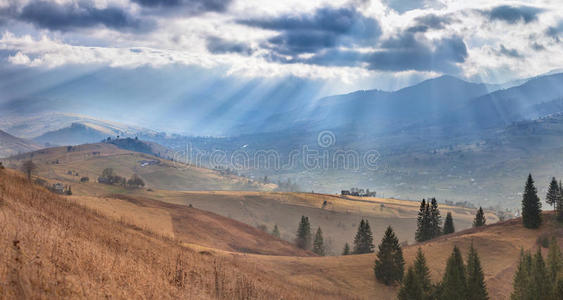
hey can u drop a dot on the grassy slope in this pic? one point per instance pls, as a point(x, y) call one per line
point(45, 224)
point(11, 145)
point(165, 175)
point(190, 225)
point(53, 248)
point(339, 218)
point(498, 246)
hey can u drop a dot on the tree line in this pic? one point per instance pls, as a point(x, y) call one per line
point(429, 221)
point(460, 281)
point(536, 279)
point(110, 177)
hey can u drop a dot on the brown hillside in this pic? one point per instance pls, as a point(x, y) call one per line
point(191, 225)
point(11, 145)
point(69, 164)
point(54, 249)
point(498, 246)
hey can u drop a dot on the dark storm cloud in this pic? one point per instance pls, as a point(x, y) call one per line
point(538, 47)
point(555, 31)
point(401, 53)
point(325, 28)
point(191, 5)
point(220, 46)
point(513, 14)
point(65, 17)
point(430, 21)
point(406, 53)
point(509, 52)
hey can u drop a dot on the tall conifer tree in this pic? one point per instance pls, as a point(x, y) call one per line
point(449, 224)
point(454, 283)
point(479, 218)
point(318, 244)
point(435, 229)
point(553, 191)
point(477, 290)
point(422, 272)
point(411, 289)
point(421, 221)
point(389, 264)
point(541, 286)
point(363, 241)
point(531, 205)
point(303, 239)
point(522, 277)
point(554, 261)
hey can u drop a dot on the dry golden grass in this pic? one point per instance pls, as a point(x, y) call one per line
point(53, 248)
point(190, 225)
point(498, 246)
point(90, 159)
point(339, 218)
point(155, 219)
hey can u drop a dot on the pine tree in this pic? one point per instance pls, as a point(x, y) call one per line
point(422, 272)
point(363, 241)
point(411, 289)
point(454, 284)
point(318, 244)
point(479, 218)
point(559, 205)
point(554, 261)
point(428, 221)
point(475, 277)
point(531, 205)
point(541, 285)
point(389, 264)
point(449, 224)
point(303, 239)
point(522, 277)
point(421, 222)
point(276, 231)
point(552, 196)
point(346, 250)
point(435, 220)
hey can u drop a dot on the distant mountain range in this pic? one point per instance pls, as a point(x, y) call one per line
point(11, 145)
point(438, 137)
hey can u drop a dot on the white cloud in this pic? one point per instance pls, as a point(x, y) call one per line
point(182, 40)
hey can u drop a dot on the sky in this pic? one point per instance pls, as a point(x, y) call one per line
point(259, 48)
point(359, 43)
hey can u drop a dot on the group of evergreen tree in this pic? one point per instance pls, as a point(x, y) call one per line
point(554, 197)
point(428, 221)
point(389, 264)
point(363, 241)
point(304, 239)
point(534, 279)
point(460, 281)
point(531, 205)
